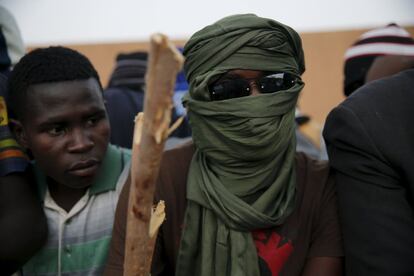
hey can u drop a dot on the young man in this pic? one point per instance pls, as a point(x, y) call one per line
point(56, 96)
point(240, 201)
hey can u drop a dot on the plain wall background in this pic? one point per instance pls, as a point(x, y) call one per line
point(97, 21)
point(102, 28)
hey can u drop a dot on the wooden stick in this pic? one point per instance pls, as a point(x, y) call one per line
point(165, 61)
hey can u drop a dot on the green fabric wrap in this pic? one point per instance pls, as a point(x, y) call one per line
point(241, 42)
point(242, 176)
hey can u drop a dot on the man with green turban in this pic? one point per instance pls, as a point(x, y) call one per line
point(239, 200)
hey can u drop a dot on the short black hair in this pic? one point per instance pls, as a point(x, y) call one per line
point(46, 65)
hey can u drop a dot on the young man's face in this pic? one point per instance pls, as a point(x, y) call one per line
point(66, 128)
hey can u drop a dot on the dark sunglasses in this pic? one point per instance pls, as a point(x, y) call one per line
point(236, 88)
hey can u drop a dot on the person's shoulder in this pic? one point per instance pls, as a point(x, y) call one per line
point(308, 165)
point(122, 98)
point(182, 153)
point(385, 92)
point(124, 153)
point(172, 177)
point(175, 164)
point(117, 92)
point(313, 176)
point(375, 111)
point(127, 153)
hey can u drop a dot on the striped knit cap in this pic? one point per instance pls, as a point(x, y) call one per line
point(389, 40)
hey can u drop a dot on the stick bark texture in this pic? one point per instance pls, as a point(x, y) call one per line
point(150, 134)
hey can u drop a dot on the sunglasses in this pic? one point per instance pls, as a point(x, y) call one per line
point(236, 88)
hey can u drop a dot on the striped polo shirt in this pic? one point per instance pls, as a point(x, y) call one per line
point(78, 241)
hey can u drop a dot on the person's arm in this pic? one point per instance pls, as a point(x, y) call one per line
point(376, 214)
point(23, 226)
point(325, 256)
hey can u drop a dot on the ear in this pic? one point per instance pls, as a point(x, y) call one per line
point(19, 133)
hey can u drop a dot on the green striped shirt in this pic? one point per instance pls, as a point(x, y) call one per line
point(78, 241)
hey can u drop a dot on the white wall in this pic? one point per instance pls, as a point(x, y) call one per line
point(44, 22)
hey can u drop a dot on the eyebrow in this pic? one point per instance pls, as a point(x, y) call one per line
point(49, 124)
point(62, 119)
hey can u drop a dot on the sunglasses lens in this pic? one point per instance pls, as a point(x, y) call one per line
point(236, 88)
point(229, 89)
point(276, 82)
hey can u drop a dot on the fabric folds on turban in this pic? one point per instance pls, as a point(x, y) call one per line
point(241, 42)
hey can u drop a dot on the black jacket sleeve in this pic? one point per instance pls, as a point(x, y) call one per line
point(23, 226)
point(376, 207)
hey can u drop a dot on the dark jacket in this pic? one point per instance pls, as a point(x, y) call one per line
point(123, 104)
point(370, 139)
point(124, 98)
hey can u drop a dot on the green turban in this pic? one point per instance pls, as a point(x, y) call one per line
point(242, 175)
point(241, 42)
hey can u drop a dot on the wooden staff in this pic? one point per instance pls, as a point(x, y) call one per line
point(151, 131)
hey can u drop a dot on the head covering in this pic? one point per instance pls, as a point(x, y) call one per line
point(242, 175)
point(385, 41)
point(11, 42)
point(130, 71)
point(241, 42)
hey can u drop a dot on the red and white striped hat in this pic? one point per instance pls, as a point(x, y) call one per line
point(391, 40)
point(386, 41)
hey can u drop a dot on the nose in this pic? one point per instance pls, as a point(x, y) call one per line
point(80, 141)
point(254, 90)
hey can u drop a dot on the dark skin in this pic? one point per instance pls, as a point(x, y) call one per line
point(23, 225)
point(65, 126)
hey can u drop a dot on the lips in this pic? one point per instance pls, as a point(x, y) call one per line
point(85, 168)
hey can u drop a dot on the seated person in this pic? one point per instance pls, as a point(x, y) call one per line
point(240, 200)
point(60, 118)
